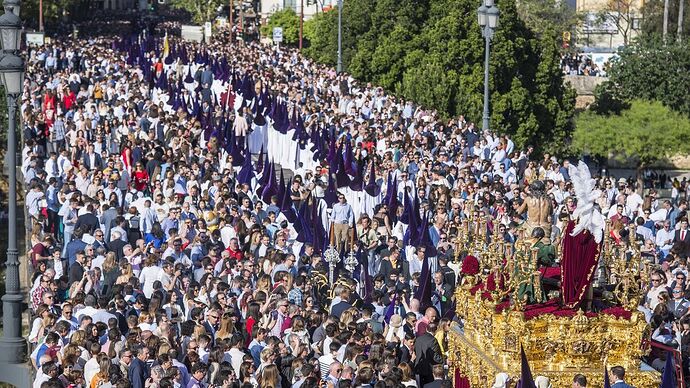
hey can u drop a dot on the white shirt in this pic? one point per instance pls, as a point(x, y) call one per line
point(148, 276)
point(40, 378)
point(634, 201)
point(236, 357)
point(663, 236)
point(91, 369)
point(645, 232)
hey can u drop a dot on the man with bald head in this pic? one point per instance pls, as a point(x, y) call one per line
point(429, 317)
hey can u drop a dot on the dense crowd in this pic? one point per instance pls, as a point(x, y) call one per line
point(167, 253)
point(582, 64)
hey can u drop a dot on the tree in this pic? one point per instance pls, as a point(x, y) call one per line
point(322, 44)
point(653, 12)
point(432, 52)
point(545, 15)
point(201, 10)
point(622, 14)
point(288, 20)
point(665, 22)
point(322, 33)
point(53, 10)
point(638, 72)
point(646, 133)
point(608, 100)
point(681, 9)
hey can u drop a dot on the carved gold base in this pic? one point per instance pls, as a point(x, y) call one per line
point(481, 369)
point(556, 346)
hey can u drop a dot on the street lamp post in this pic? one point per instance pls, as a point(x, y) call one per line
point(340, 36)
point(488, 21)
point(12, 344)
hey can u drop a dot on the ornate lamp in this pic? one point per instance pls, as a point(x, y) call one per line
point(332, 256)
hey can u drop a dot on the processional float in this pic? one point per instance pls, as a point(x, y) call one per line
point(559, 332)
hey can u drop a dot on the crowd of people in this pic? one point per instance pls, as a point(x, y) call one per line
point(166, 252)
point(582, 64)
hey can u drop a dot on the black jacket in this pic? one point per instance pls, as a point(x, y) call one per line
point(428, 354)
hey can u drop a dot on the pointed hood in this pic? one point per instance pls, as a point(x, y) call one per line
point(341, 177)
point(668, 378)
point(372, 188)
point(306, 219)
point(331, 193)
point(315, 139)
point(259, 110)
point(320, 233)
point(331, 150)
point(407, 210)
point(393, 202)
point(363, 258)
point(423, 293)
point(269, 188)
point(526, 380)
point(281, 190)
point(389, 311)
point(357, 182)
point(246, 174)
point(607, 383)
point(287, 206)
point(349, 160)
point(266, 172)
point(238, 155)
point(425, 239)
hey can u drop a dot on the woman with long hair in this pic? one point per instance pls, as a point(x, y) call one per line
point(253, 317)
point(41, 325)
point(227, 327)
point(127, 273)
point(110, 272)
point(298, 328)
point(381, 217)
point(270, 377)
point(246, 376)
point(408, 378)
point(103, 375)
point(156, 236)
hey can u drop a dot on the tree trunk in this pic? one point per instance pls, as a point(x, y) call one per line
point(665, 28)
point(639, 179)
point(681, 4)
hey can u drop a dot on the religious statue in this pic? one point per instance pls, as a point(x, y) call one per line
point(539, 209)
point(530, 289)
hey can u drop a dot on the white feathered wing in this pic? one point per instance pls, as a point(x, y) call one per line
point(587, 215)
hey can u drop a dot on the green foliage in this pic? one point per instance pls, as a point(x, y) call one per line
point(288, 20)
point(432, 52)
point(608, 100)
point(542, 16)
point(201, 10)
point(53, 10)
point(648, 132)
point(323, 44)
point(653, 20)
point(650, 70)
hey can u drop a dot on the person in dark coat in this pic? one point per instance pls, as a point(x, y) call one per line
point(88, 222)
point(338, 308)
point(407, 349)
point(428, 354)
point(138, 371)
point(439, 381)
